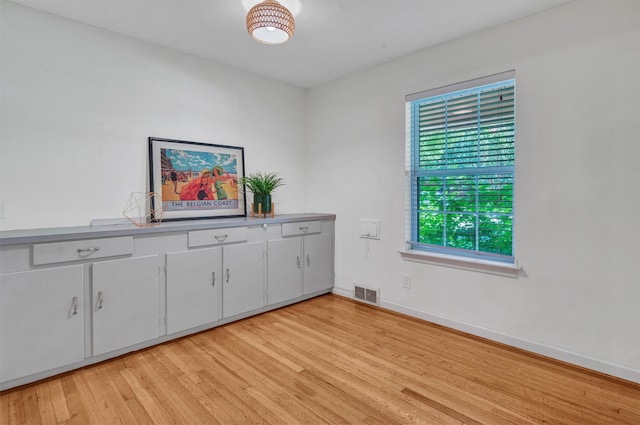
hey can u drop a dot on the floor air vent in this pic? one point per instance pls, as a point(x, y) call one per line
point(367, 295)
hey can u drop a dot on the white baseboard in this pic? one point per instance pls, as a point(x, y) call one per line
point(534, 347)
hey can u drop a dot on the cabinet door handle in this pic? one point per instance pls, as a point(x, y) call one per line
point(228, 276)
point(100, 296)
point(308, 260)
point(213, 278)
point(221, 238)
point(304, 229)
point(74, 306)
point(298, 261)
point(88, 250)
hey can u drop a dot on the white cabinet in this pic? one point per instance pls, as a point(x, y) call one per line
point(318, 262)
point(126, 306)
point(194, 283)
point(41, 320)
point(300, 263)
point(202, 282)
point(243, 278)
point(72, 297)
point(284, 269)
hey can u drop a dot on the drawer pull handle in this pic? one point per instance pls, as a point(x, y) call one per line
point(88, 250)
point(228, 275)
point(221, 238)
point(100, 296)
point(74, 306)
point(305, 229)
point(308, 260)
point(213, 278)
point(298, 261)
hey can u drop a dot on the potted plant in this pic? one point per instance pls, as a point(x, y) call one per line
point(262, 185)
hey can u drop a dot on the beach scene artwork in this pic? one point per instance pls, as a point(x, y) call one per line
point(198, 180)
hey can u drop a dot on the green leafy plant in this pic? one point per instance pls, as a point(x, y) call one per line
point(260, 183)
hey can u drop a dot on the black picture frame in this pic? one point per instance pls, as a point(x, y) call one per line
point(196, 180)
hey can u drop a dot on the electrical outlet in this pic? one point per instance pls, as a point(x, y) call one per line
point(406, 281)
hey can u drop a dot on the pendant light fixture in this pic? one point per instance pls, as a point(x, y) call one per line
point(270, 22)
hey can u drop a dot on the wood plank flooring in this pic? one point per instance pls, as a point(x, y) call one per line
point(328, 360)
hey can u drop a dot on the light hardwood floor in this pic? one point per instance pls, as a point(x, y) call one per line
point(328, 360)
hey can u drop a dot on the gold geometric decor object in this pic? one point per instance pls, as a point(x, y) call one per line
point(139, 209)
point(270, 22)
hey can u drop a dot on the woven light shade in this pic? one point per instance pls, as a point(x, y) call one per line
point(270, 22)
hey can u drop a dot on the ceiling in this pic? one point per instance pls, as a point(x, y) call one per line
point(333, 38)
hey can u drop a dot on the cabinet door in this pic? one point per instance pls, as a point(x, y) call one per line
point(193, 288)
point(318, 262)
point(243, 274)
point(125, 303)
point(41, 320)
point(284, 269)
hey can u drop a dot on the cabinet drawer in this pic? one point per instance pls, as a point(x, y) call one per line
point(88, 249)
point(217, 236)
point(301, 228)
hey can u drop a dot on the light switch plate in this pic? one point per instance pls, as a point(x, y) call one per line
point(369, 229)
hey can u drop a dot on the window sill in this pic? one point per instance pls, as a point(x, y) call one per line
point(464, 263)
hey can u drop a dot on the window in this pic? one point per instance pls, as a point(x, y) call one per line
point(461, 151)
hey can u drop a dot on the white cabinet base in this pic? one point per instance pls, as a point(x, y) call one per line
point(194, 285)
point(318, 262)
point(243, 278)
point(160, 283)
point(284, 266)
point(126, 303)
point(41, 320)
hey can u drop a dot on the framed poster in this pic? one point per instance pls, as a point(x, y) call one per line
point(196, 180)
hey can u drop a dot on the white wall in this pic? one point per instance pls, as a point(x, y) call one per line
point(577, 184)
point(78, 104)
